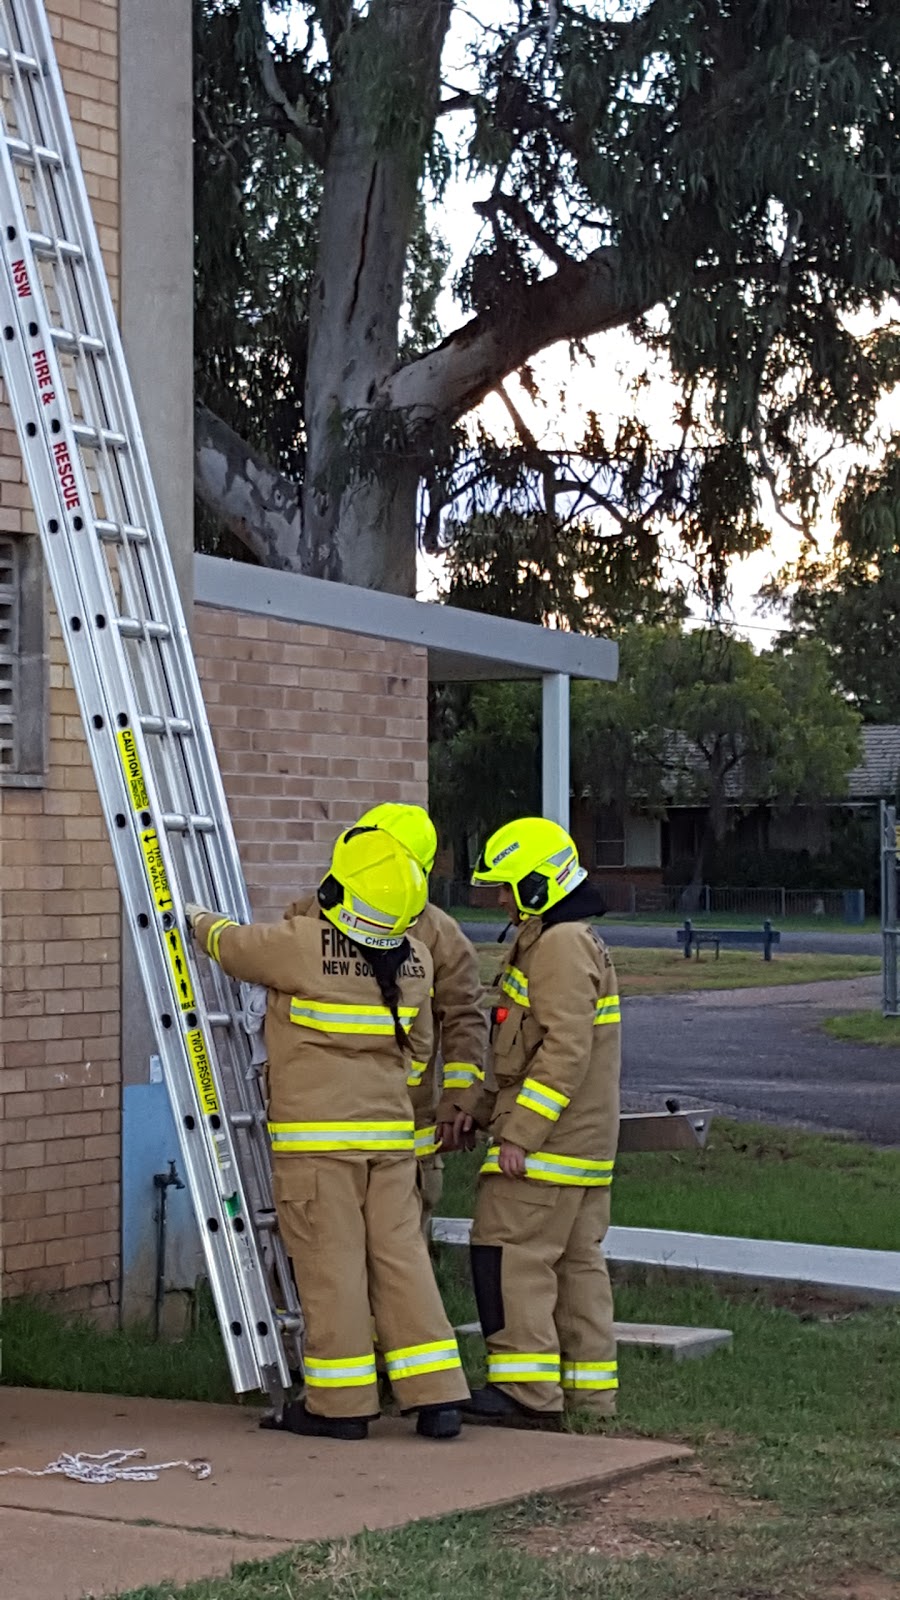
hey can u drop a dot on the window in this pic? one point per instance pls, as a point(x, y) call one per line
point(23, 667)
point(609, 836)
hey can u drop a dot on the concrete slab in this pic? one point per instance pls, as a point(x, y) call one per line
point(48, 1557)
point(868, 1277)
point(265, 1488)
point(682, 1344)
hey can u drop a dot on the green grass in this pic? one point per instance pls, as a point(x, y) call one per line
point(864, 1027)
point(667, 972)
point(800, 1422)
point(753, 1181)
point(43, 1351)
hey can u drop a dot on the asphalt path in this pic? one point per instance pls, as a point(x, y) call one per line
point(757, 1054)
point(760, 1054)
point(649, 936)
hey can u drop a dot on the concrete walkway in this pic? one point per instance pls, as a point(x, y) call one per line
point(63, 1540)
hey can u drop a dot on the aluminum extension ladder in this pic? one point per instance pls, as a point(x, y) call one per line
point(137, 687)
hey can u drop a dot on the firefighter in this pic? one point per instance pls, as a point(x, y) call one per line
point(348, 1012)
point(458, 1004)
point(541, 1282)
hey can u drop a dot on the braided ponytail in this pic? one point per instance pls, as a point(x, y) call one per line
point(386, 966)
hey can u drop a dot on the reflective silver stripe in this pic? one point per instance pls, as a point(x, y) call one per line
point(341, 1136)
point(347, 1019)
point(557, 1169)
point(590, 1375)
point(539, 1368)
point(354, 1373)
point(538, 1097)
point(405, 1363)
point(458, 1076)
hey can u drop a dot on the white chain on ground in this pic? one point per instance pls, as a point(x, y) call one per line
point(110, 1467)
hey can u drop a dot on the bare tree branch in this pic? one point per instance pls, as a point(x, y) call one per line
point(521, 218)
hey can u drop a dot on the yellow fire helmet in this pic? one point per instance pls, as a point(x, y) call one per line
point(374, 889)
point(537, 858)
point(411, 826)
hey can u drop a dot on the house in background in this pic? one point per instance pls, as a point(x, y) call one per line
point(635, 855)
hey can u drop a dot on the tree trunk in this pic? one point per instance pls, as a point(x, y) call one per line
point(359, 525)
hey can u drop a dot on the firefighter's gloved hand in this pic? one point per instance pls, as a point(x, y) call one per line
point(194, 912)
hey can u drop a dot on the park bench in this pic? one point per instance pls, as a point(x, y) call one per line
point(734, 938)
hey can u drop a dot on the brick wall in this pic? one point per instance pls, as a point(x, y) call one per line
point(312, 727)
point(59, 915)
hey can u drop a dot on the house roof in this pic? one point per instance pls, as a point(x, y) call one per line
point(879, 771)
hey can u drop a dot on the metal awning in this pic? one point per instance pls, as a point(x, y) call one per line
point(463, 646)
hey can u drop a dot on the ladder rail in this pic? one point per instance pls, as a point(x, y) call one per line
point(225, 886)
point(151, 691)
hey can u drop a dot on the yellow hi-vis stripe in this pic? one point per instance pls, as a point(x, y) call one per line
point(575, 1171)
point(608, 1010)
point(348, 1372)
point(326, 1137)
point(334, 1018)
point(417, 1359)
point(214, 936)
point(539, 1097)
point(417, 1071)
point(590, 1375)
point(523, 1366)
point(426, 1142)
point(515, 984)
point(461, 1075)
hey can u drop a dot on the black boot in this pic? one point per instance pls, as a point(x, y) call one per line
point(439, 1422)
point(296, 1419)
point(493, 1405)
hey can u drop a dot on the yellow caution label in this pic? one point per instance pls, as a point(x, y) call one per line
point(156, 871)
point(131, 766)
point(202, 1072)
point(180, 973)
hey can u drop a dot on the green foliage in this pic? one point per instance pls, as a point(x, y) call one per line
point(696, 718)
point(739, 164)
point(850, 601)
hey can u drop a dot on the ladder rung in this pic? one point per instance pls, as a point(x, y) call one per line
point(179, 725)
point(219, 1019)
point(243, 1119)
point(95, 437)
point(43, 246)
point(10, 58)
point(30, 154)
point(137, 628)
point(290, 1324)
point(181, 822)
point(120, 533)
point(65, 340)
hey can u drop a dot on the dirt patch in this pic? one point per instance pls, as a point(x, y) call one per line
point(867, 1586)
point(639, 1517)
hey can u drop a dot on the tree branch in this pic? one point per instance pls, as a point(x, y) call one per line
point(521, 218)
point(296, 117)
point(253, 499)
point(581, 299)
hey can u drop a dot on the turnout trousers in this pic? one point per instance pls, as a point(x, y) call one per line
point(543, 1293)
point(352, 1226)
